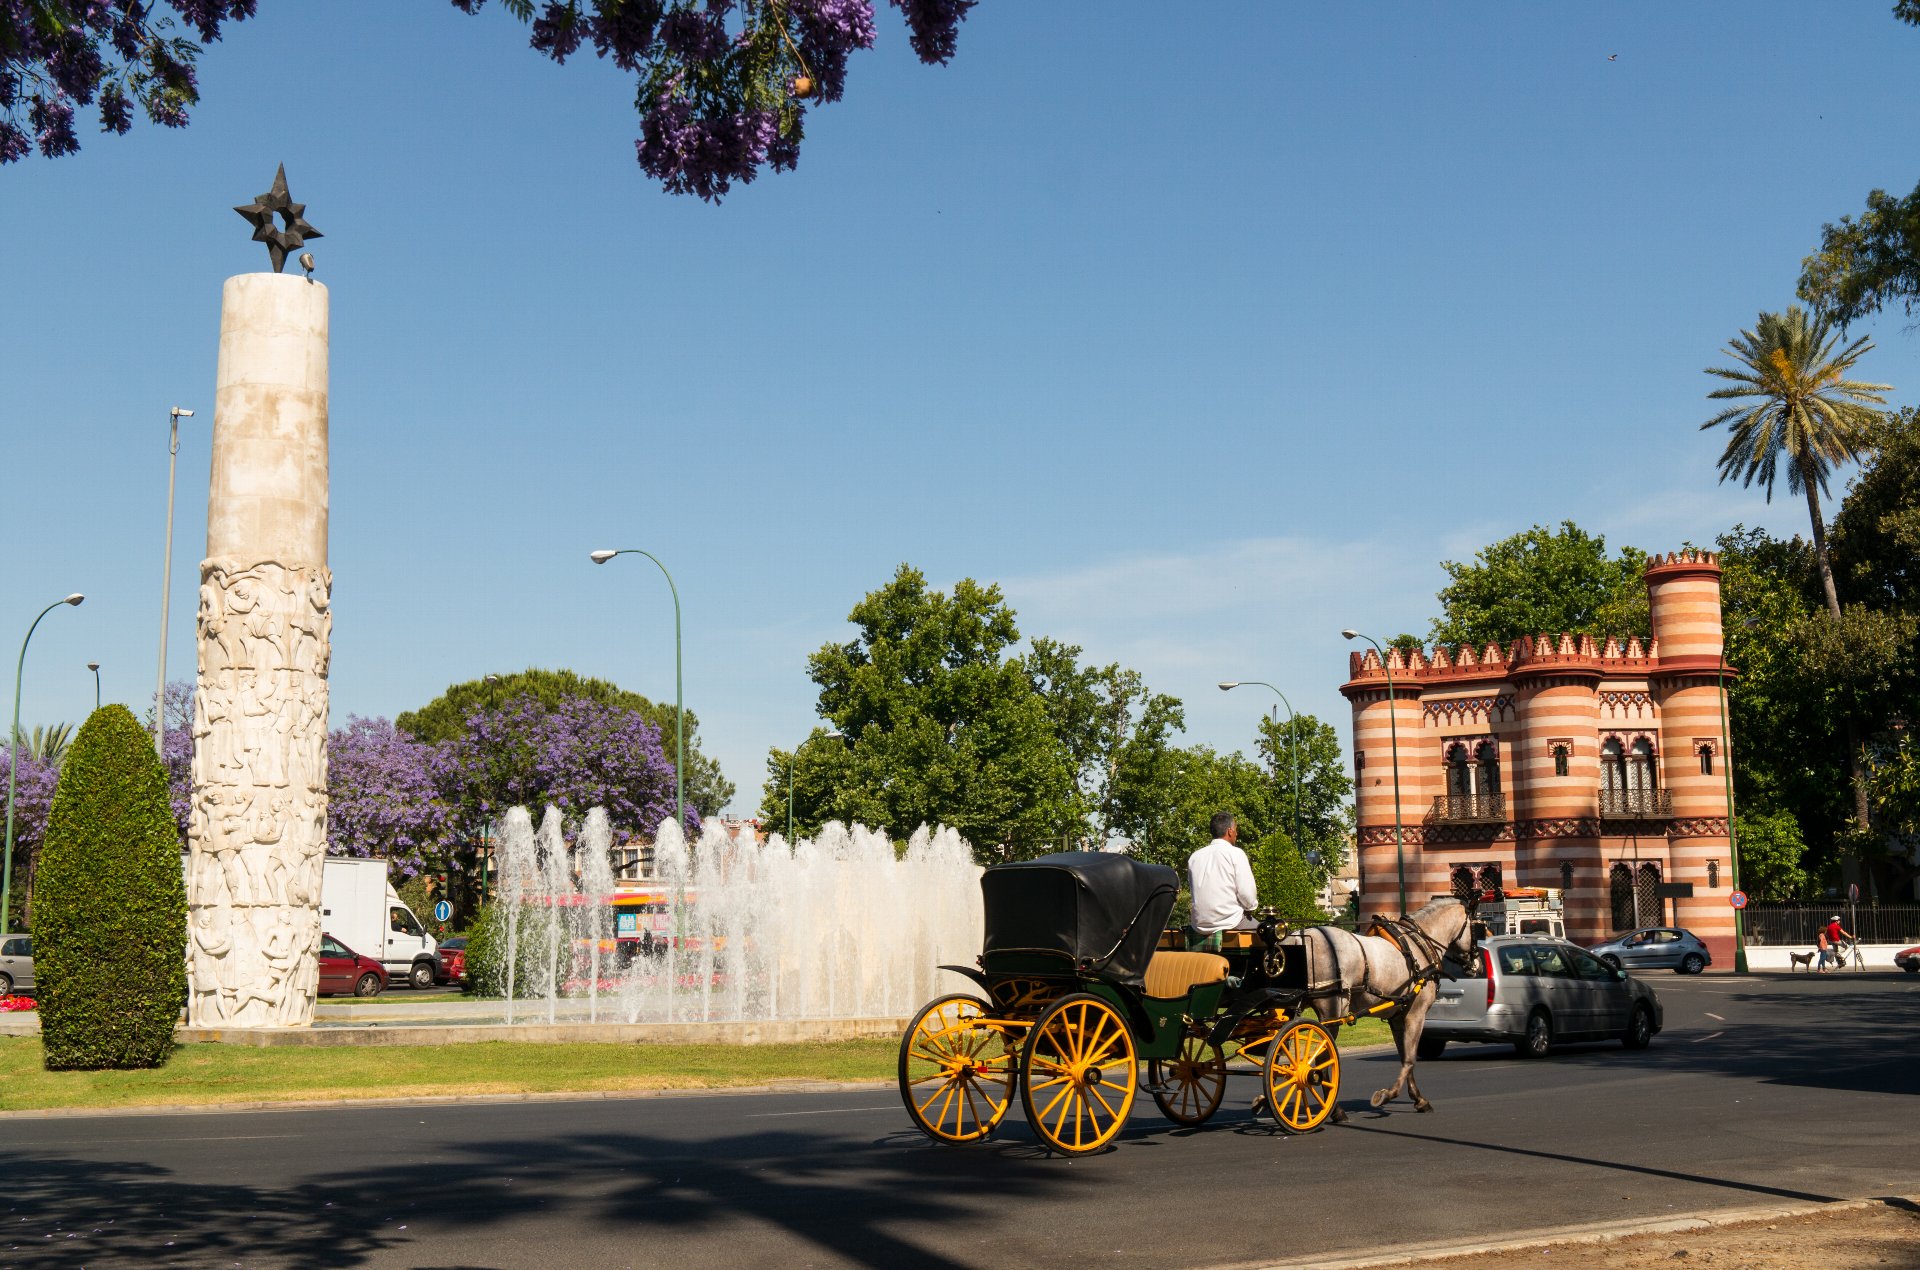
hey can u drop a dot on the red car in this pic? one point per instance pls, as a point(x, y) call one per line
point(1908, 959)
point(453, 960)
point(343, 970)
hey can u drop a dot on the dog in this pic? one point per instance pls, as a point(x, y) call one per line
point(1801, 959)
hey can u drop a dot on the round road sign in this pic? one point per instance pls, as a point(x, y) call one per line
point(442, 911)
point(1738, 899)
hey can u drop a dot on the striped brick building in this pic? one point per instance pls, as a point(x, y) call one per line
point(1562, 761)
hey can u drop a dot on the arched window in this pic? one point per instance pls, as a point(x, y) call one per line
point(1487, 758)
point(1459, 778)
point(1620, 893)
point(1461, 882)
point(1713, 869)
point(1640, 775)
point(1613, 766)
point(1559, 760)
point(1566, 875)
point(1706, 760)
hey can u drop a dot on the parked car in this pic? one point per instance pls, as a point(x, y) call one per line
point(1908, 959)
point(1535, 993)
point(16, 964)
point(453, 960)
point(1656, 948)
point(343, 970)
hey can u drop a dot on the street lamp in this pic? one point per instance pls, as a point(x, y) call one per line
point(486, 822)
point(834, 735)
point(1293, 746)
point(13, 750)
point(679, 705)
point(1733, 847)
point(1393, 735)
point(174, 416)
point(94, 666)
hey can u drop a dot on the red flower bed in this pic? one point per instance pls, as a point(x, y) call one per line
point(9, 1005)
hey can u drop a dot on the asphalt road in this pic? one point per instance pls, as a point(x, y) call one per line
point(1760, 1089)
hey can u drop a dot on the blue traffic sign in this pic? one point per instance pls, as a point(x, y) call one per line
point(442, 911)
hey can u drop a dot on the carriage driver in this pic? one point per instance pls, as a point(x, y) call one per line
point(1222, 884)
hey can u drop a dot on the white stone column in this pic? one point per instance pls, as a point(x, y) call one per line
point(259, 824)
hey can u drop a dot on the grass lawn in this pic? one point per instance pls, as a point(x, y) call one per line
point(211, 1074)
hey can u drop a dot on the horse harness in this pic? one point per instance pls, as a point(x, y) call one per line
point(1405, 935)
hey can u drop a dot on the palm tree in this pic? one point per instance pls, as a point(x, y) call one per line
point(1808, 413)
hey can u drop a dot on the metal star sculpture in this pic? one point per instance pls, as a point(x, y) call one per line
point(292, 233)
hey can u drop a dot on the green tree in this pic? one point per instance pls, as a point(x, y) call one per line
point(110, 921)
point(1798, 406)
point(1770, 853)
point(1866, 264)
point(1543, 581)
point(1876, 534)
point(1326, 790)
point(440, 720)
point(942, 727)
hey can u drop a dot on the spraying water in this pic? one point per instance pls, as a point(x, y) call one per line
point(839, 926)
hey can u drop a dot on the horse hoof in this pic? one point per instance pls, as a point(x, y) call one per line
point(1423, 1105)
point(1339, 1116)
point(1380, 1097)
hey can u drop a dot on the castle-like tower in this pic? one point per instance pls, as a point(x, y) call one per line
point(1592, 767)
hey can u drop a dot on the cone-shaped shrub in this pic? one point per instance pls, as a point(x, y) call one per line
point(110, 907)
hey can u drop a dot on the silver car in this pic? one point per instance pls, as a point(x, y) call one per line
point(1535, 993)
point(16, 963)
point(1656, 948)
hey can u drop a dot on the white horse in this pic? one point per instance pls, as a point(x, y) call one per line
point(1351, 974)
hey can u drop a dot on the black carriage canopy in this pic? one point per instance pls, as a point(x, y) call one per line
point(1102, 911)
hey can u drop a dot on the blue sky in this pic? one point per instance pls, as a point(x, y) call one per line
point(1204, 337)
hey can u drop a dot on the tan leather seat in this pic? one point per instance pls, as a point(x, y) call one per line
point(1174, 974)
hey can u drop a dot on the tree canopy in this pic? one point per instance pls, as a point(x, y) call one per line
point(724, 85)
point(1543, 581)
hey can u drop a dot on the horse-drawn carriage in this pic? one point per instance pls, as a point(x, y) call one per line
point(1076, 993)
point(1080, 983)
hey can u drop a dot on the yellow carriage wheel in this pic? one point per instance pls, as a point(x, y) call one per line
point(1079, 1075)
point(1190, 1085)
point(1303, 1077)
point(956, 1070)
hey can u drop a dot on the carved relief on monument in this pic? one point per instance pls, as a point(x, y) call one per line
point(259, 814)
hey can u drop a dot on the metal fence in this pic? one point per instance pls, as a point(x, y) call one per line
point(1795, 923)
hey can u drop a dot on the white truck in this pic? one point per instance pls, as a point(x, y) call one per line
point(358, 907)
point(1531, 910)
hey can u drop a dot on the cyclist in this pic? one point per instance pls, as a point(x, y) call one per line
point(1831, 937)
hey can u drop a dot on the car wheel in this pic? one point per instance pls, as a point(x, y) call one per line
point(1913, 967)
point(369, 986)
point(6, 985)
point(422, 975)
point(1691, 964)
point(1539, 1037)
point(1611, 960)
point(1431, 1047)
point(1639, 1033)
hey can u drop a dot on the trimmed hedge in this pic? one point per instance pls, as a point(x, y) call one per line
point(110, 905)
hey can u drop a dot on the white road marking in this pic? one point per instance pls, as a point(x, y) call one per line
point(1709, 1037)
point(1710, 1014)
point(831, 1111)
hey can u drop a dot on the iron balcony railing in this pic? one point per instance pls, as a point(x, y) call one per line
point(1470, 808)
point(1635, 804)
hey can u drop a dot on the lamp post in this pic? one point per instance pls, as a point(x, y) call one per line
point(174, 416)
point(1293, 746)
point(486, 822)
point(94, 666)
point(834, 735)
point(13, 751)
point(679, 705)
point(1733, 847)
point(1393, 735)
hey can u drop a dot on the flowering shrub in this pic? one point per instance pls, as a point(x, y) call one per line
point(15, 1004)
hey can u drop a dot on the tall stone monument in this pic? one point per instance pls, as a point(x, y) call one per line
point(258, 833)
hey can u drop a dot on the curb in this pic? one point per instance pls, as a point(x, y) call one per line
point(467, 1100)
point(447, 1100)
point(1587, 1234)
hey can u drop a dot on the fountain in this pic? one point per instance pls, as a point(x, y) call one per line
point(839, 926)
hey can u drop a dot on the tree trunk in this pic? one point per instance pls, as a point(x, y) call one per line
point(1856, 767)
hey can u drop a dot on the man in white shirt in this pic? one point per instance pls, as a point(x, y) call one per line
point(1222, 884)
